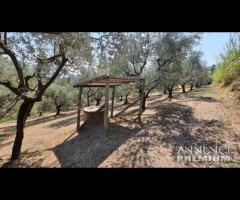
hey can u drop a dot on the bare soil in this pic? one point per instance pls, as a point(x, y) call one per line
point(200, 117)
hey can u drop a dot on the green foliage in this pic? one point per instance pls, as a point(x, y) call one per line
point(172, 49)
point(222, 75)
point(228, 69)
point(44, 106)
point(5, 97)
point(59, 95)
point(55, 96)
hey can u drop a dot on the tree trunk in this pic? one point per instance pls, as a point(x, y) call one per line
point(164, 91)
point(197, 85)
point(191, 87)
point(144, 102)
point(183, 88)
point(140, 90)
point(121, 98)
point(170, 93)
point(24, 110)
point(58, 108)
point(88, 102)
point(147, 95)
point(126, 100)
point(97, 102)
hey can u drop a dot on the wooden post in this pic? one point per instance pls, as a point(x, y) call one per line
point(106, 106)
point(141, 100)
point(113, 93)
point(79, 107)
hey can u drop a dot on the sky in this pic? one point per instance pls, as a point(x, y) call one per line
point(212, 44)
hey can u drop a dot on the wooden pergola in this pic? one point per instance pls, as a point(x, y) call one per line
point(108, 81)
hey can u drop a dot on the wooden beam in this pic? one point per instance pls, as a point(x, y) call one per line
point(113, 93)
point(111, 79)
point(141, 101)
point(96, 85)
point(106, 106)
point(79, 107)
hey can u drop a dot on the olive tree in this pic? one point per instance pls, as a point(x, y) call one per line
point(170, 51)
point(46, 55)
point(59, 96)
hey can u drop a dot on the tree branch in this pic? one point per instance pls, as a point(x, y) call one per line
point(11, 54)
point(49, 60)
point(54, 76)
point(164, 63)
point(8, 85)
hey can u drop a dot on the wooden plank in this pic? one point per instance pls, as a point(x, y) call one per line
point(113, 93)
point(106, 107)
point(79, 107)
point(130, 105)
point(141, 101)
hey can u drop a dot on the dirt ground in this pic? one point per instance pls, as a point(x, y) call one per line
point(199, 117)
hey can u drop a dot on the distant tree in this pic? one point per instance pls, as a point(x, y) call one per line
point(60, 96)
point(191, 67)
point(98, 96)
point(44, 106)
point(171, 49)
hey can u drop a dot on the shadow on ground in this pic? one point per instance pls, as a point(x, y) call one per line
point(27, 160)
point(175, 126)
point(91, 147)
point(172, 127)
point(204, 94)
point(63, 123)
point(9, 130)
point(202, 98)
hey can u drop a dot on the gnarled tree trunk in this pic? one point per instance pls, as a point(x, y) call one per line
point(98, 102)
point(170, 90)
point(23, 113)
point(144, 102)
point(58, 109)
point(183, 88)
point(126, 100)
point(191, 86)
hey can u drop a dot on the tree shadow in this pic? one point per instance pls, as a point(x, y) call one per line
point(26, 160)
point(177, 127)
point(204, 99)
point(195, 95)
point(9, 130)
point(63, 123)
point(90, 147)
point(173, 126)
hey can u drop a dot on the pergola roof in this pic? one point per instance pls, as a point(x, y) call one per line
point(101, 81)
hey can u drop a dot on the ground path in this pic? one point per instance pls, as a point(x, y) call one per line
point(199, 117)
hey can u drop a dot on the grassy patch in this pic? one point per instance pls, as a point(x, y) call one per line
point(208, 91)
point(7, 118)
